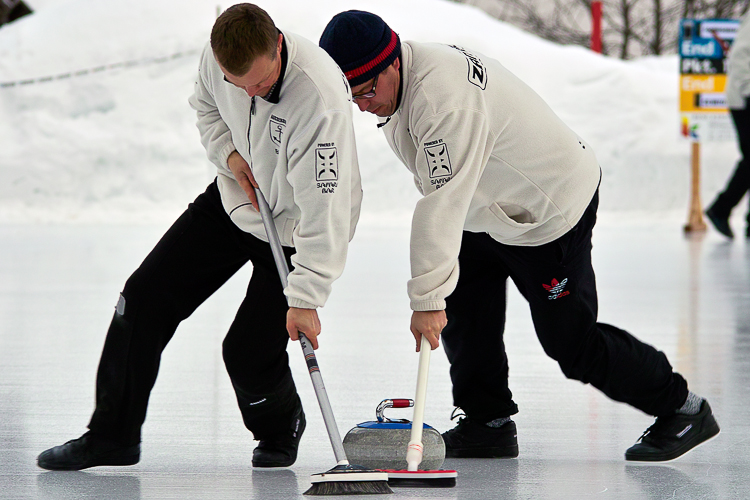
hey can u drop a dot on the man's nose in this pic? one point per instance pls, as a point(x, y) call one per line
point(362, 104)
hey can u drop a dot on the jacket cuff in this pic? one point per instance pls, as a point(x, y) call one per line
point(224, 153)
point(300, 304)
point(428, 305)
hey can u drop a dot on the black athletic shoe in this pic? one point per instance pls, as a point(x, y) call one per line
point(720, 223)
point(87, 451)
point(281, 450)
point(471, 439)
point(673, 436)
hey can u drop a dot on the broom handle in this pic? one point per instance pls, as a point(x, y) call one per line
point(414, 451)
point(307, 350)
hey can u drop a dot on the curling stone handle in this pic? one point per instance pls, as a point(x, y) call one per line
point(402, 403)
point(392, 403)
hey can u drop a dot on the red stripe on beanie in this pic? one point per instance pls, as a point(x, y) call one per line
point(380, 57)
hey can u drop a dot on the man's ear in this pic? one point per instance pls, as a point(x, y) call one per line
point(396, 63)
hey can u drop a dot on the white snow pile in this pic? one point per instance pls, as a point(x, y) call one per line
point(110, 136)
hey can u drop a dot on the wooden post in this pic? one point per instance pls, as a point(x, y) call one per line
point(695, 216)
point(596, 27)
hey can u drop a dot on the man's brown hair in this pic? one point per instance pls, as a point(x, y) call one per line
point(240, 35)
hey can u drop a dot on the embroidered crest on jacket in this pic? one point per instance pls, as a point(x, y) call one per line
point(326, 168)
point(438, 160)
point(277, 128)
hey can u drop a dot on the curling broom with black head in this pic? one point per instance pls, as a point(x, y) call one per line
point(344, 478)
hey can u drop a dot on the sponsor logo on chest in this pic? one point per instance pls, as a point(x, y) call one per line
point(277, 129)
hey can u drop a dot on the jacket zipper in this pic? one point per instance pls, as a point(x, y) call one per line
point(249, 127)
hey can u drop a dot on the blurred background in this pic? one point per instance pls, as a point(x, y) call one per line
point(96, 127)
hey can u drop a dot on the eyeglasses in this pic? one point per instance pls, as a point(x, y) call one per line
point(370, 94)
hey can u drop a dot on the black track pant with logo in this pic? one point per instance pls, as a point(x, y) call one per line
point(558, 282)
point(195, 257)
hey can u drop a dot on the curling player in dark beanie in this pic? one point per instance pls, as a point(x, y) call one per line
point(509, 191)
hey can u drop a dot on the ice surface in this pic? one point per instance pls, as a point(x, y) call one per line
point(59, 285)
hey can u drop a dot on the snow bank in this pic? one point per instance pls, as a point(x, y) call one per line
point(119, 143)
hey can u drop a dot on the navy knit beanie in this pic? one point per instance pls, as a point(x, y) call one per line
point(361, 44)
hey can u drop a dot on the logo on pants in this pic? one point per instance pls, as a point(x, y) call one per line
point(556, 289)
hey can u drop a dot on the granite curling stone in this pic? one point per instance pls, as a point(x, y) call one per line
point(382, 444)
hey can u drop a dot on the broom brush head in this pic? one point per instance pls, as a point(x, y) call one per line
point(345, 479)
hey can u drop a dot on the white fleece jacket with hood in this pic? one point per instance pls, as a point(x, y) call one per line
point(299, 143)
point(489, 156)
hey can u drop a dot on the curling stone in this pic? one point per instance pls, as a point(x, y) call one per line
point(382, 444)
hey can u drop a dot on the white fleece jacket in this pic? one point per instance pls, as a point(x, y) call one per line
point(738, 75)
point(489, 156)
point(299, 143)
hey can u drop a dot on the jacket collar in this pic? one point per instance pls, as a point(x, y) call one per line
point(274, 96)
point(401, 82)
point(403, 74)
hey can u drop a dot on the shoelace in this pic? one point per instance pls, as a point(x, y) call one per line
point(453, 413)
point(645, 433)
point(459, 426)
point(648, 431)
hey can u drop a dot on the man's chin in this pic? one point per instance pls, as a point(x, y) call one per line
point(381, 112)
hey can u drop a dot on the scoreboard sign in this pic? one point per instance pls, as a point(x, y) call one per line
point(704, 47)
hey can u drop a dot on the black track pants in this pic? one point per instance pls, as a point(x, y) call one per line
point(196, 256)
point(558, 282)
point(739, 183)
